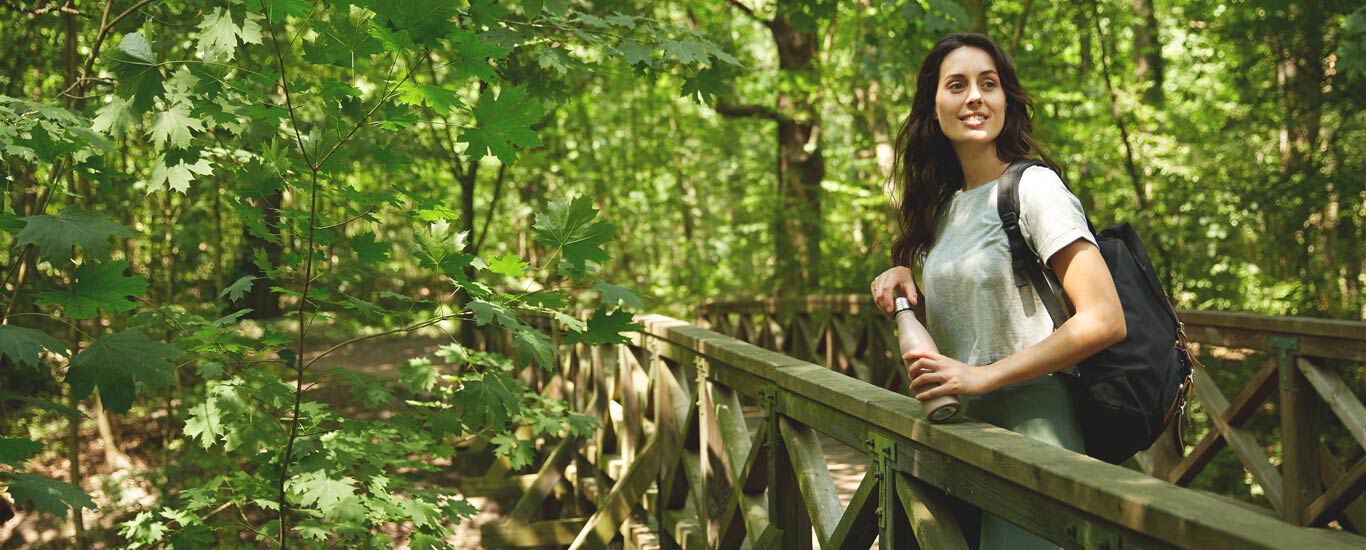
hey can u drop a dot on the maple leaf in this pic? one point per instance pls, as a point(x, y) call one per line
point(327, 494)
point(614, 296)
point(133, 62)
point(47, 495)
point(54, 236)
point(534, 347)
point(607, 328)
point(570, 226)
point(442, 422)
point(635, 54)
point(705, 86)
point(472, 55)
point(509, 265)
point(502, 122)
point(98, 286)
point(22, 345)
point(17, 450)
point(176, 177)
point(486, 12)
point(488, 400)
point(368, 250)
point(115, 363)
point(518, 451)
point(218, 36)
point(174, 126)
point(113, 117)
point(238, 288)
point(204, 423)
point(686, 51)
point(424, 21)
point(418, 374)
point(343, 40)
point(441, 100)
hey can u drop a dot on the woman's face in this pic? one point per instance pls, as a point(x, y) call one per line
point(970, 104)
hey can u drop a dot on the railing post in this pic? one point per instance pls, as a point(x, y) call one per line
point(1299, 434)
point(785, 509)
point(705, 420)
point(893, 533)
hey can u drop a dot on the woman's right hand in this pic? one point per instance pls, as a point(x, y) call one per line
point(890, 285)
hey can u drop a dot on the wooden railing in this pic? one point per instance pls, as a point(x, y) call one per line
point(1292, 358)
point(677, 462)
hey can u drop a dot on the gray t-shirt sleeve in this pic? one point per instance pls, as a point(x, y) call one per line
point(1050, 216)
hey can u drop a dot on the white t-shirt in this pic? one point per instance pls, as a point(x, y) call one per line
point(973, 309)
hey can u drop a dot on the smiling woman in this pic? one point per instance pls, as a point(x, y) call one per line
point(999, 350)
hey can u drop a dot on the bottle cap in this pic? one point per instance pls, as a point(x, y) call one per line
point(902, 304)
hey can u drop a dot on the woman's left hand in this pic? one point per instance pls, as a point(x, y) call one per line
point(954, 377)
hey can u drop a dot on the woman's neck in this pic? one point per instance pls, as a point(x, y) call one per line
point(980, 164)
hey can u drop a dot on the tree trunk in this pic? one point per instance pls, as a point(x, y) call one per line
point(1148, 64)
point(264, 303)
point(800, 164)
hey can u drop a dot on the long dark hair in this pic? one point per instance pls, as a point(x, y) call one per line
point(927, 167)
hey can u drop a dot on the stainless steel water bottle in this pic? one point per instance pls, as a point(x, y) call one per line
point(913, 337)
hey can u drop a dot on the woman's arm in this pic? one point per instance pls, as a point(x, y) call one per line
point(1097, 324)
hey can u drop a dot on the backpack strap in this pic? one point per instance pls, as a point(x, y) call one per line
point(1026, 265)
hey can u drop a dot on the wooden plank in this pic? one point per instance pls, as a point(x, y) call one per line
point(1337, 496)
point(1244, 445)
point(1353, 515)
point(784, 497)
point(558, 532)
point(813, 478)
point(625, 495)
point(930, 513)
point(497, 488)
point(1299, 442)
point(858, 526)
point(1302, 326)
point(550, 474)
point(1244, 405)
point(1339, 397)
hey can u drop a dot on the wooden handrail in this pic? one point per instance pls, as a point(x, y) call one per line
point(1292, 359)
point(992, 468)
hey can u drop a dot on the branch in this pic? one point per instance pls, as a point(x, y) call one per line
point(731, 110)
point(750, 12)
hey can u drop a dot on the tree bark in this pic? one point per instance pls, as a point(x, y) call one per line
point(264, 303)
point(1148, 64)
point(800, 165)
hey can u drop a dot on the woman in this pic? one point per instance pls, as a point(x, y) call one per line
point(970, 118)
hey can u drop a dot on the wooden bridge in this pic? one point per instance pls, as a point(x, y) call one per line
point(724, 433)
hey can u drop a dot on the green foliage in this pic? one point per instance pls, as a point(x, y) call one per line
point(487, 400)
point(115, 362)
point(570, 228)
point(238, 288)
point(139, 75)
point(23, 345)
point(48, 496)
point(503, 121)
point(54, 236)
point(14, 451)
point(98, 287)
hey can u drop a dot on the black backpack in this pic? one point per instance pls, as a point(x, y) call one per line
point(1127, 394)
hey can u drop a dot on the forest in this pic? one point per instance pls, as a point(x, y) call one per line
point(221, 219)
